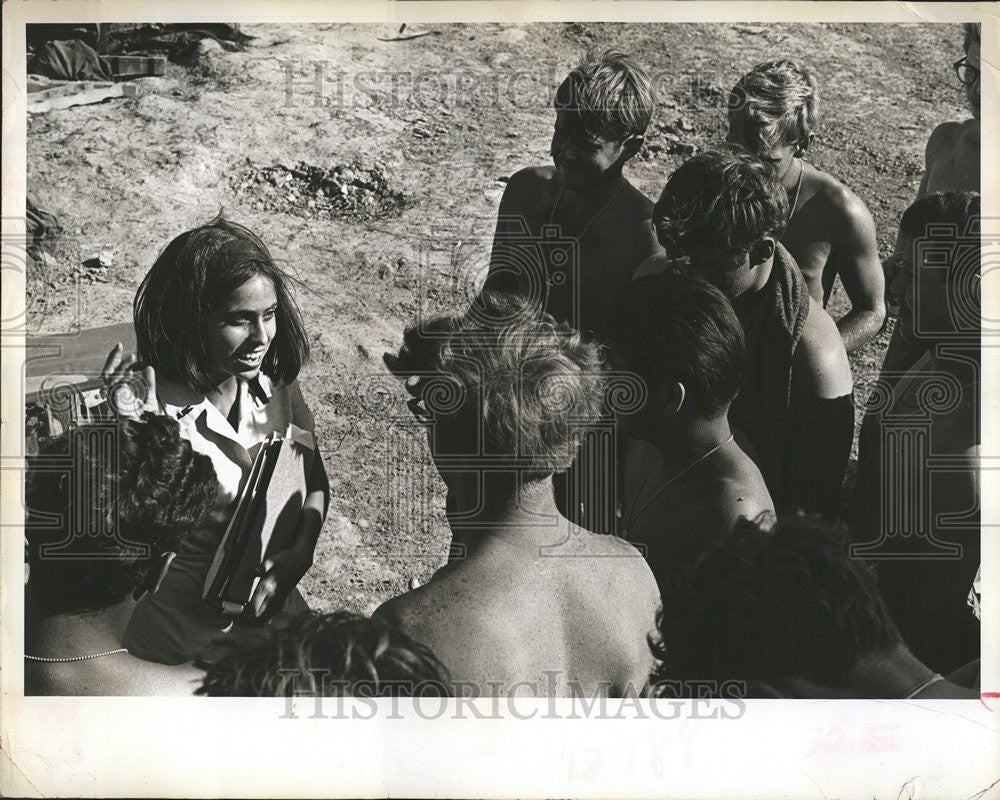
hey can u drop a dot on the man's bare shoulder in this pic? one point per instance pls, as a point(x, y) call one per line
point(459, 583)
point(528, 192)
point(530, 179)
point(843, 205)
point(636, 202)
point(944, 136)
point(610, 559)
point(738, 492)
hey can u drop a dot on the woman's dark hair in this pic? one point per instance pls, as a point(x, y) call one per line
point(103, 502)
point(189, 279)
point(772, 604)
point(338, 654)
point(677, 327)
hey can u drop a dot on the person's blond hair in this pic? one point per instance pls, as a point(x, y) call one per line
point(778, 102)
point(612, 95)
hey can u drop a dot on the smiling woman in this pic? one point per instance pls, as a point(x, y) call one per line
point(220, 345)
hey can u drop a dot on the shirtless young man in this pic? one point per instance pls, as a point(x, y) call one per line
point(686, 480)
point(928, 593)
point(144, 491)
point(781, 606)
point(772, 112)
point(602, 111)
point(537, 605)
point(952, 157)
point(720, 216)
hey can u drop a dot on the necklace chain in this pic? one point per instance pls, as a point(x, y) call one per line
point(601, 210)
point(76, 658)
point(798, 187)
point(634, 517)
point(921, 686)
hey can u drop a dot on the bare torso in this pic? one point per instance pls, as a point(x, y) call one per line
point(819, 231)
point(608, 235)
point(529, 620)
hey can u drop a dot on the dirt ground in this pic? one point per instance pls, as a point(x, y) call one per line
point(433, 125)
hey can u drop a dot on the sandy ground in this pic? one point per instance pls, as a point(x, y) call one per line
point(445, 118)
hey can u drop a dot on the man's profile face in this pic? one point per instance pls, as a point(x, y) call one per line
point(582, 159)
point(781, 158)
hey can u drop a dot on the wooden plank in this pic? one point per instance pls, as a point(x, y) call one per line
point(75, 358)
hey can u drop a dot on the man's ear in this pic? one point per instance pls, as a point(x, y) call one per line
point(632, 145)
point(763, 251)
point(675, 396)
point(804, 144)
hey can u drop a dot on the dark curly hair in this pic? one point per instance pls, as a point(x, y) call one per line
point(527, 385)
point(610, 95)
point(196, 272)
point(676, 327)
point(325, 655)
point(103, 501)
point(723, 200)
point(771, 604)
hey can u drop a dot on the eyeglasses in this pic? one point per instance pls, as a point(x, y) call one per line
point(966, 75)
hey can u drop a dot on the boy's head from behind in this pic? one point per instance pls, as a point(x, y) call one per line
point(773, 604)
point(719, 217)
point(773, 110)
point(104, 503)
point(505, 382)
point(602, 111)
point(338, 654)
point(682, 337)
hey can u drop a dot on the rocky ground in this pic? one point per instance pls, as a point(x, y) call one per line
point(373, 170)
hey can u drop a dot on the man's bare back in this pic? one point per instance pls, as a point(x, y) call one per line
point(610, 226)
point(553, 611)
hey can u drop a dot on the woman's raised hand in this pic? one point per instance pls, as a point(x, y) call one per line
point(129, 387)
